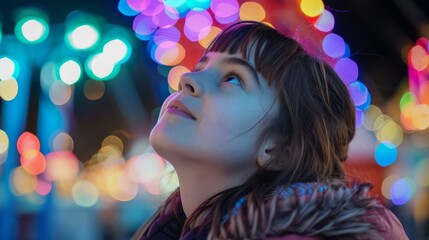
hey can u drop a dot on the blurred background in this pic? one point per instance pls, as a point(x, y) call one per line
point(81, 83)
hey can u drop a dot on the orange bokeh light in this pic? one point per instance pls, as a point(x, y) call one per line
point(33, 162)
point(27, 141)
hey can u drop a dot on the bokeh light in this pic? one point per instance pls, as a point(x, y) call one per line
point(139, 5)
point(419, 58)
point(225, 11)
point(83, 37)
point(4, 143)
point(32, 30)
point(212, 33)
point(62, 142)
point(120, 186)
point(390, 132)
point(70, 71)
point(198, 4)
point(43, 187)
point(101, 67)
point(8, 68)
point(407, 100)
point(371, 115)
point(27, 141)
point(312, 8)
point(60, 93)
point(358, 92)
point(62, 166)
point(143, 25)
point(146, 167)
point(125, 9)
point(174, 76)
point(420, 116)
point(387, 185)
point(167, 34)
point(94, 90)
point(326, 22)
point(117, 50)
point(385, 154)
point(165, 16)
point(333, 45)
point(169, 53)
point(33, 162)
point(195, 22)
point(402, 191)
point(8, 89)
point(347, 70)
point(22, 183)
point(85, 193)
point(252, 11)
point(114, 141)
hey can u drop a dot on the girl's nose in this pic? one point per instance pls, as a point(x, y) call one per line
point(188, 82)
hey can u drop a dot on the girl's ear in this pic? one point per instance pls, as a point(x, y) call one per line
point(265, 155)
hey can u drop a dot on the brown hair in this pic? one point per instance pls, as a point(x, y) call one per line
point(313, 127)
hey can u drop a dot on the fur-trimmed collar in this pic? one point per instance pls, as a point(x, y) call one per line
point(332, 210)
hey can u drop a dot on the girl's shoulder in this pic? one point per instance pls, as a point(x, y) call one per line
point(305, 211)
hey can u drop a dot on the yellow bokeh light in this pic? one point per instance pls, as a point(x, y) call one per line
point(94, 90)
point(85, 193)
point(22, 183)
point(371, 115)
point(312, 8)
point(212, 33)
point(114, 141)
point(121, 187)
point(62, 166)
point(252, 11)
point(60, 93)
point(390, 132)
point(4, 142)
point(421, 206)
point(170, 53)
point(8, 89)
point(387, 185)
point(174, 76)
point(420, 117)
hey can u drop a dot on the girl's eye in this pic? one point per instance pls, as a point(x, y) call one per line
point(233, 79)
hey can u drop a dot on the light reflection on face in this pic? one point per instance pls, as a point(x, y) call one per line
point(227, 105)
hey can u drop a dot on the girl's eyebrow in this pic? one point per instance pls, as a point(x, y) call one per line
point(235, 61)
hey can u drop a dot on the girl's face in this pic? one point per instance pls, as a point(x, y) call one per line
point(217, 115)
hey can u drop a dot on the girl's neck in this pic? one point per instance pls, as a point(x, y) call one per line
point(198, 184)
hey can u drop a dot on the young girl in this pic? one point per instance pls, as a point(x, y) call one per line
point(257, 134)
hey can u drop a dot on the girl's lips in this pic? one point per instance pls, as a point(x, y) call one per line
point(179, 111)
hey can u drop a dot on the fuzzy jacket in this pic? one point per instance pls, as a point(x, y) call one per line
point(296, 212)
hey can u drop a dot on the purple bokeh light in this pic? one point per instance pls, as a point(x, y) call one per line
point(333, 45)
point(167, 34)
point(347, 70)
point(358, 92)
point(143, 25)
point(165, 16)
point(225, 11)
point(195, 22)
